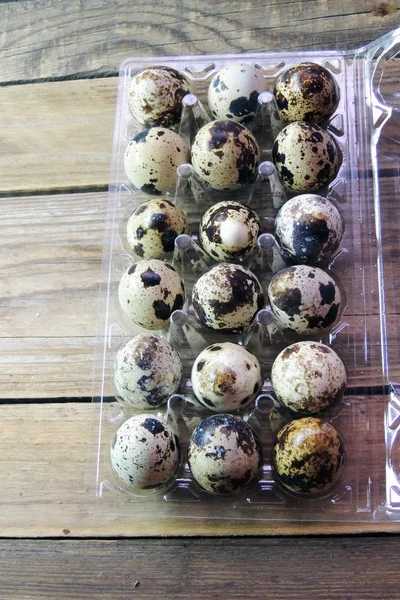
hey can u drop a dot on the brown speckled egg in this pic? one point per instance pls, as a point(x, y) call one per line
point(233, 92)
point(147, 371)
point(229, 230)
point(145, 452)
point(225, 155)
point(151, 160)
point(307, 377)
point(149, 292)
point(304, 299)
point(308, 456)
point(227, 297)
point(306, 92)
point(308, 228)
point(306, 157)
point(155, 96)
point(226, 377)
point(224, 454)
point(153, 227)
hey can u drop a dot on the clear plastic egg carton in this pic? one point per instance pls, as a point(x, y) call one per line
point(365, 126)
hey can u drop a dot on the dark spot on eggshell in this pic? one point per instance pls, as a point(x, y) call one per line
point(162, 310)
point(214, 348)
point(206, 401)
point(288, 301)
point(139, 250)
point(168, 240)
point(154, 426)
point(309, 238)
point(150, 278)
point(218, 454)
point(200, 365)
point(140, 138)
point(178, 303)
point(316, 137)
point(223, 485)
point(132, 269)
point(149, 188)
point(243, 288)
point(158, 221)
point(327, 292)
point(142, 382)
point(289, 351)
point(311, 275)
point(140, 232)
point(286, 176)
point(281, 101)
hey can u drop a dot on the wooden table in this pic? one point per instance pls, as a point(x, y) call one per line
point(59, 63)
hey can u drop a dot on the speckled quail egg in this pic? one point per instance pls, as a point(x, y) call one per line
point(226, 377)
point(145, 452)
point(229, 230)
point(227, 297)
point(306, 157)
point(147, 371)
point(225, 155)
point(149, 292)
point(308, 377)
point(224, 454)
point(308, 456)
point(233, 92)
point(151, 160)
point(306, 92)
point(304, 299)
point(308, 228)
point(155, 96)
point(153, 227)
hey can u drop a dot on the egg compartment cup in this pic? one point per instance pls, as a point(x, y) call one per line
point(357, 336)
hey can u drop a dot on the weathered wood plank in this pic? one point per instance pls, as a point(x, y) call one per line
point(318, 568)
point(57, 39)
point(56, 135)
point(48, 470)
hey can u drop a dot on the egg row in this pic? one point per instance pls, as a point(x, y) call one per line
point(225, 156)
point(307, 377)
point(304, 92)
point(308, 229)
point(225, 454)
point(227, 297)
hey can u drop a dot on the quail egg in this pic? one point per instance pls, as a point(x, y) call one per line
point(224, 454)
point(229, 230)
point(308, 228)
point(304, 299)
point(145, 452)
point(226, 376)
point(225, 155)
point(227, 297)
point(147, 371)
point(152, 228)
point(155, 96)
point(306, 92)
point(308, 456)
point(149, 292)
point(308, 377)
point(234, 91)
point(306, 157)
point(151, 160)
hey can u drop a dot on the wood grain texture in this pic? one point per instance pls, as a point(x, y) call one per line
point(43, 39)
point(231, 569)
point(56, 136)
point(48, 471)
